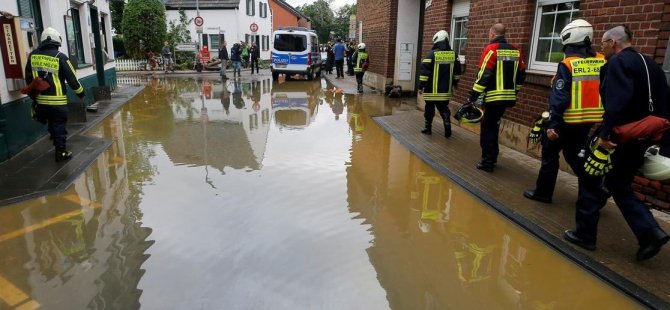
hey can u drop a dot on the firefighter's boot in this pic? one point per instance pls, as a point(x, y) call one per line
point(447, 124)
point(428, 129)
point(62, 154)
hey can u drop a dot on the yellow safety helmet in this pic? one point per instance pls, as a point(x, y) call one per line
point(469, 113)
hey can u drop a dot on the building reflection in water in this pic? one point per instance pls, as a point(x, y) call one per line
point(438, 247)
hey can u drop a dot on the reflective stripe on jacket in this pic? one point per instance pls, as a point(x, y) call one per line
point(360, 59)
point(54, 67)
point(501, 74)
point(585, 104)
point(440, 71)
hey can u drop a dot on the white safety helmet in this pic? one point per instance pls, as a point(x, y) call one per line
point(51, 34)
point(440, 36)
point(656, 166)
point(361, 46)
point(577, 31)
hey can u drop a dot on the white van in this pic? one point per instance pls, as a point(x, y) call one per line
point(296, 51)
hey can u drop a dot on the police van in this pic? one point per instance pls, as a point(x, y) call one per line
point(296, 51)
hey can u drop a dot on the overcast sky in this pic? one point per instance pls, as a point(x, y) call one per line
point(336, 3)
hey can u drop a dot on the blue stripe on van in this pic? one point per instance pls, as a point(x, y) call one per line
point(295, 59)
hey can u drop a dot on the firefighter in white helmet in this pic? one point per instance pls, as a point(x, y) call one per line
point(440, 73)
point(54, 67)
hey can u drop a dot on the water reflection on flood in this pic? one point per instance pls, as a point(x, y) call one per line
point(248, 195)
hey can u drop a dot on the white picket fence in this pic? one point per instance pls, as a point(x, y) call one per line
point(133, 80)
point(130, 65)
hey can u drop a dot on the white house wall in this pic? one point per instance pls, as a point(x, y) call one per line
point(234, 23)
point(52, 16)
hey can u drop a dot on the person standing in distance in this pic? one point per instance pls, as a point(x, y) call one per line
point(339, 51)
point(167, 57)
point(632, 86)
point(440, 73)
point(47, 63)
point(255, 54)
point(501, 74)
point(223, 56)
point(574, 106)
point(361, 63)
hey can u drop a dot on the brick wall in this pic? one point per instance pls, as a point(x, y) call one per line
point(437, 17)
point(379, 19)
point(655, 193)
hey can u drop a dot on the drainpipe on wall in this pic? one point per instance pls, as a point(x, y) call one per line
point(666, 64)
point(419, 44)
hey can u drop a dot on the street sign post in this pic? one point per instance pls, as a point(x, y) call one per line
point(253, 27)
point(198, 21)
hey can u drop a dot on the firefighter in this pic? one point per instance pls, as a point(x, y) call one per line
point(632, 87)
point(440, 72)
point(501, 73)
point(47, 63)
point(361, 63)
point(574, 106)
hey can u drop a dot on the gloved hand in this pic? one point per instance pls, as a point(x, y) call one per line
point(598, 162)
point(536, 132)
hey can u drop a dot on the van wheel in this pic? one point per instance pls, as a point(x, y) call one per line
point(275, 76)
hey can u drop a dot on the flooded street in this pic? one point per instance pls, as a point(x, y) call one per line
point(249, 195)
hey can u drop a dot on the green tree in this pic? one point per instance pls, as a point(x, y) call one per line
point(116, 8)
point(322, 17)
point(341, 23)
point(143, 26)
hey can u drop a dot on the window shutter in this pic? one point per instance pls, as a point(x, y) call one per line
point(461, 8)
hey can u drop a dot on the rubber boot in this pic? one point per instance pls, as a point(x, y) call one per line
point(447, 124)
point(62, 154)
point(428, 128)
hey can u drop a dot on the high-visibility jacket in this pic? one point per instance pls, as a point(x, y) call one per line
point(360, 59)
point(585, 104)
point(53, 66)
point(501, 74)
point(440, 71)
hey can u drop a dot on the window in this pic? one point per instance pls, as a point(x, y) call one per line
point(546, 49)
point(290, 43)
point(213, 42)
point(260, 9)
point(74, 38)
point(459, 27)
point(251, 7)
point(265, 43)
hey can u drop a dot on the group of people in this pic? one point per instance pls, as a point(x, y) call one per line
point(239, 56)
point(337, 52)
point(610, 89)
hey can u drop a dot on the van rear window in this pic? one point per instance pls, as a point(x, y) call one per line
point(286, 42)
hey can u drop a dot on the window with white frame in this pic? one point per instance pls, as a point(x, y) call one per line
point(459, 27)
point(265, 43)
point(262, 9)
point(550, 18)
point(251, 7)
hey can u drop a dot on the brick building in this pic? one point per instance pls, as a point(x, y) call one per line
point(386, 26)
point(283, 14)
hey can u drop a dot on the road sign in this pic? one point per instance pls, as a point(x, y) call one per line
point(253, 27)
point(198, 29)
point(198, 21)
point(185, 47)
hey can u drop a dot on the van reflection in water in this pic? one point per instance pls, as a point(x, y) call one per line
point(294, 104)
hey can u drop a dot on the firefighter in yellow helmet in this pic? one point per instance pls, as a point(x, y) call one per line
point(54, 67)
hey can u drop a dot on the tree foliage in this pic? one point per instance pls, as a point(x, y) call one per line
point(322, 17)
point(143, 26)
point(178, 29)
point(325, 21)
point(116, 8)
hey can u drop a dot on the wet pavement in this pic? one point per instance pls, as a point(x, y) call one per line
point(250, 194)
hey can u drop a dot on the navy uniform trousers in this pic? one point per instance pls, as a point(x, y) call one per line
point(626, 160)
